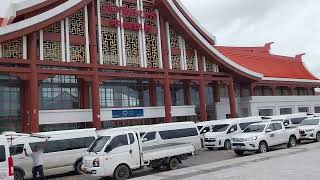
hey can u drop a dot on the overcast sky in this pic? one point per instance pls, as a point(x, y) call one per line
point(292, 24)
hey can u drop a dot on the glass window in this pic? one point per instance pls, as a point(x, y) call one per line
point(206, 129)
point(148, 137)
point(131, 137)
point(99, 143)
point(297, 120)
point(234, 127)
point(285, 111)
point(265, 112)
point(286, 122)
point(178, 133)
point(255, 128)
point(220, 127)
point(2, 154)
point(303, 109)
point(244, 125)
point(116, 142)
point(308, 122)
point(16, 149)
point(317, 109)
point(277, 126)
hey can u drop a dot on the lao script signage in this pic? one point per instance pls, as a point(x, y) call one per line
point(129, 12)
point(125, 113)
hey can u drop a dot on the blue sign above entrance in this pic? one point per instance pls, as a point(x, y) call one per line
point(125, 113)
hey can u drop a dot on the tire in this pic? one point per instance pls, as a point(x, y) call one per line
point(77, 167)
point(18, 175)
point(210, 148)
point(317, 137)
point(239, 152)
point(227, 144)
point(122, 172)
point(173, 164)
point(263, 147)
point(292, 142)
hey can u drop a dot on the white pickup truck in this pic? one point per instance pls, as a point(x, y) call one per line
point(260, 137)
point(120, 153)
point(310, 129)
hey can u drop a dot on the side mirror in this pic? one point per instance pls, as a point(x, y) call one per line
point(286, 124)
point(108, 149)
point(204, 131)
point(232, 130)
point(268, 130)
point(144, 139)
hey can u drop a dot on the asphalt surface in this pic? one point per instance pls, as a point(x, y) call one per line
point(202, 158)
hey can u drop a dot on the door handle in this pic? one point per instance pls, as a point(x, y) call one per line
point(271, 135)
point(130, 151)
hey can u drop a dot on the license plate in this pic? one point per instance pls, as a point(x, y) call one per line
point(238, 147)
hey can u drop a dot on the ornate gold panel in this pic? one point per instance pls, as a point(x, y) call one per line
point(55, 28)
point(12, 49)
point(52, 50)
point(132, 48)
point(77, 53)
point(191, 65)
point(176, 62)
point(152, 50)
point(76, 24)
point(103, 15)
point(174, 39)
point(110, 46)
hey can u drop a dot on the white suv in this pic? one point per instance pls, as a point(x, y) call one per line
point(261, 136)
point(310, 129)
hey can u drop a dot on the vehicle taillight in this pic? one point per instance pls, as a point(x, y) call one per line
point(10, 161)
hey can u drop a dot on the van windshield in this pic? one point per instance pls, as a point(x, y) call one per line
point(254, 128)
point(2, 154)
point(99, 143)
point(310, 122)
point(220, 127)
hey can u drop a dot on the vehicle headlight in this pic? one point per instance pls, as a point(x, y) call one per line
point(96, 162)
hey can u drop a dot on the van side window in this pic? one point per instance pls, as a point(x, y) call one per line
point(117, 141)
point(16, 149)
point(65, 144)
point(234, 127)
point(2, 154)
point(131, 138)
point(178, 133)
point(149, 136)
point(277, 126)
point(272, 127)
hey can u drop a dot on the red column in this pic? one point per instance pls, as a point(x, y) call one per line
point(274, 90)
point(232, 100)
point(33, 84)
point(186, 92)
point(166, 82)
point(153, 92)
point(94, 60)
point(216, 91)
point(84, 94)
point(23, 106)
point(202, 93)
point(251, 89)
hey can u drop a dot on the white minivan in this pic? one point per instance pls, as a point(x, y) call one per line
point(179, 132)
point(64, 151)
point(221, 132)
point(6, 162)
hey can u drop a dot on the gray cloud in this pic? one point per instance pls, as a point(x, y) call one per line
point(291, 24)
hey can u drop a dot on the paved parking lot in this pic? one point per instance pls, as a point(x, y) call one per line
point(206, 159)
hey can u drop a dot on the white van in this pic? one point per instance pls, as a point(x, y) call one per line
point(221, 133)
point(64, 151)
point(289, 120)
point(6, 162)
point(179, 132)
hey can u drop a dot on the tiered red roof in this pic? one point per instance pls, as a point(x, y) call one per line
point(260, 60)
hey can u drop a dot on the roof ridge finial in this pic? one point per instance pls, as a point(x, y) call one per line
point(299, 56)
point(268, 45)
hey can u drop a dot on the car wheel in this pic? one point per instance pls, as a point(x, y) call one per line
point(263, 147)
point(122, 172)
point(77, 167)
point(292, 142)
point(18, 175)
point(227, 144)
point(210, 148)
point(239, 152)
point(173, 164)
point(318, 137)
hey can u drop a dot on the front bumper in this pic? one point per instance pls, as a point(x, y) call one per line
point(210, 143)
point(94, 171)
point(308, 135)
point(246, 146)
